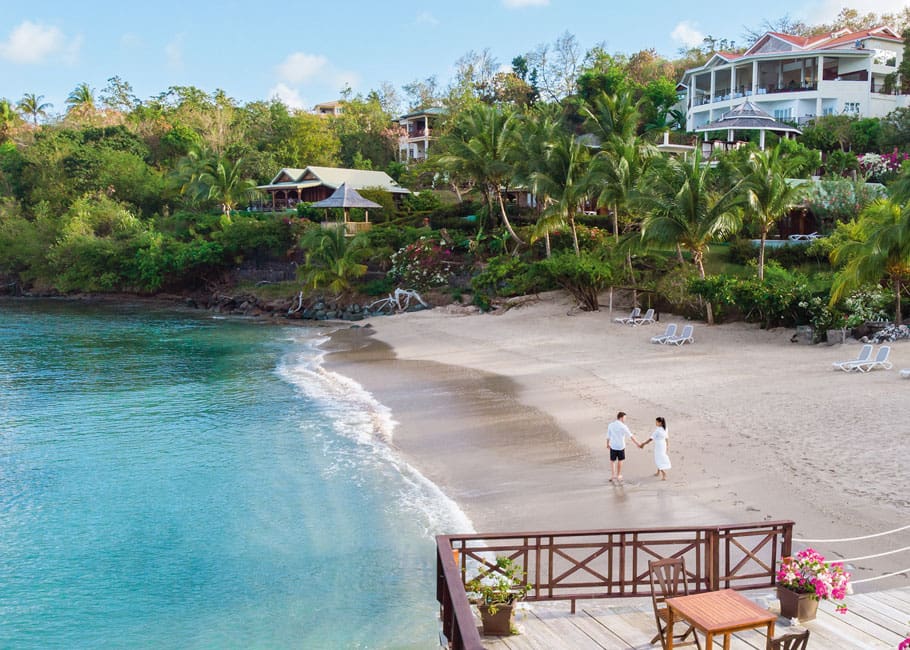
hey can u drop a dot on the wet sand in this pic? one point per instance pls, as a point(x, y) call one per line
point(507, 414)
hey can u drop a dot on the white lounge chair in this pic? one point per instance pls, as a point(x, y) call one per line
point(905, 373)
point(647, 319)
point(879, 362)
point(685, 337)
point(864, 355)
point(669, 332)
point(630, 318)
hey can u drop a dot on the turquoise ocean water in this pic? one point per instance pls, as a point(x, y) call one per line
point(174, 480)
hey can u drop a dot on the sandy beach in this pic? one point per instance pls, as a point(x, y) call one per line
point(507, 414)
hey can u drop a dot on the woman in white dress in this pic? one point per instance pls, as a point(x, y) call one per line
point(661, 445)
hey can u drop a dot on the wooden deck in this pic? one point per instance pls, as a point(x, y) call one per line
point(875, 620)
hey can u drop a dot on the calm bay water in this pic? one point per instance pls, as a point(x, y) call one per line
point(176, 481)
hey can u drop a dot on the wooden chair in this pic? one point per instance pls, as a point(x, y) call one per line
point(790, 641)
point(668, 579)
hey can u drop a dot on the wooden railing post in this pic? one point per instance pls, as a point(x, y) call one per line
point(712, 564)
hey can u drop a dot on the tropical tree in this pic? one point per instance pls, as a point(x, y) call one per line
point(769, 195)
point(478, 148)
point(31, 106)
point(880, 250)
point(81, 101)
point(618, 171)
point(607, 116)
point(687, 210)
point(330, 260)
point(562, 176)
point(222, 181)
point(7, 119)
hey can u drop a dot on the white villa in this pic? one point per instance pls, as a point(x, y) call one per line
point(416, 133)
point(796, 78)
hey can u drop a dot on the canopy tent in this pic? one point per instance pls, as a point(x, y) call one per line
point(346, 198)
point(748, 117)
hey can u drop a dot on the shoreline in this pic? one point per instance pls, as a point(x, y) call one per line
point(507, 413)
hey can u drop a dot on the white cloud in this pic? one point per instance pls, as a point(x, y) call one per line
point(426, 18)
point(174, 53)
point(520, 4)
point(687, 34)
point(300, 67)
point(289, 96)
point(34, 43)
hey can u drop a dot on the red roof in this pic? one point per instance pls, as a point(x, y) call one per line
point(830, 39)
point(851, 37)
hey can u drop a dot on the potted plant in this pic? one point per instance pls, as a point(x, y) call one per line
point(494, 591)
point(805, 579)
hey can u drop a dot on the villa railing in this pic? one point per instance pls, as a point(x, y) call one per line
point(351, 228)
point(583, 565)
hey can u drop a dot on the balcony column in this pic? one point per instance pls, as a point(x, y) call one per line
point(818, 86)
point(780, 74)
point(802, 71)
point(755, 77)
point(732, 81)
point(712, 85)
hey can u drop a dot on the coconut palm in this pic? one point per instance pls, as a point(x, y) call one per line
point(562, 176)
point(618, 171)
point(608, 116)
point(534, 134)
point(881, 250)
point(330, 260)
point(81, 101)
point(769, 196)
point(685, 209)
point(478, 148)
point(222, 181)
point(31, 106)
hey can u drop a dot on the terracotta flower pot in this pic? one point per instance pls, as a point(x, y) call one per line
point(793, 604)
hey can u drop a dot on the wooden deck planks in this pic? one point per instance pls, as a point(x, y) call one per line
point(877, 620)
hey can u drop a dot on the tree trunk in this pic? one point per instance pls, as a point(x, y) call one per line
point(546, 241)
point(699, 262)
point(679, 255)
point(615, 223)
point(505, 219)
point(897, 301)
point(574, 234)
point(761, 256)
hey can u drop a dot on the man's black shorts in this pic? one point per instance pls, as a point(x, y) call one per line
point(617, 454)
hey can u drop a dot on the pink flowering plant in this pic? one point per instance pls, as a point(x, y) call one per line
point(808, 573)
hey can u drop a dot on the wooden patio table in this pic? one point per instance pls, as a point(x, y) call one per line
point(717, 612)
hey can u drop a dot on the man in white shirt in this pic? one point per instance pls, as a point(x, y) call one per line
point(617, 433)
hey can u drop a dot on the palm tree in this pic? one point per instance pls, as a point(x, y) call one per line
point(685, 210)
point(882, 250)
point(330, 261)
point(478, 148)
point(81, 101)
point(618, 170)
point(769, 195)
point(562, 176)
point(608, 116)
point(222, 181)
point(32, 106)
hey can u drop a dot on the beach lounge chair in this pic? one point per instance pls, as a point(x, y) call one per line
point(905, 373)
point(670, 331)
point(630, 318)
point(879, 362)
point(668, 579)
point(864, 354)
point(685, 337)
point(647, 319)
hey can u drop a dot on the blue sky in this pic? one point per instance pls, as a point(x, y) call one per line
point(305, 52)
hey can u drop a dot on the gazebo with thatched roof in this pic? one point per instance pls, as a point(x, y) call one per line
point(346, 198)
point(748, 117)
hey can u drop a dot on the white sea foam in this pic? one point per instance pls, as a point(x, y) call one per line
point(357, 415)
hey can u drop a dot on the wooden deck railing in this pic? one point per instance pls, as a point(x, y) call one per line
point(581, 565)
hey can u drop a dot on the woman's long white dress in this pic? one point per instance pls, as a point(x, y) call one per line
point(661, 458)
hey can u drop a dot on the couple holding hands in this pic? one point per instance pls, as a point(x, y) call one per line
point(618, 432)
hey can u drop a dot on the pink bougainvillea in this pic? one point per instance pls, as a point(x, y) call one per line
point(809, 573)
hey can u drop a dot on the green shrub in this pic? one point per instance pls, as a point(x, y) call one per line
point(505, 276)
point(584, 276)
